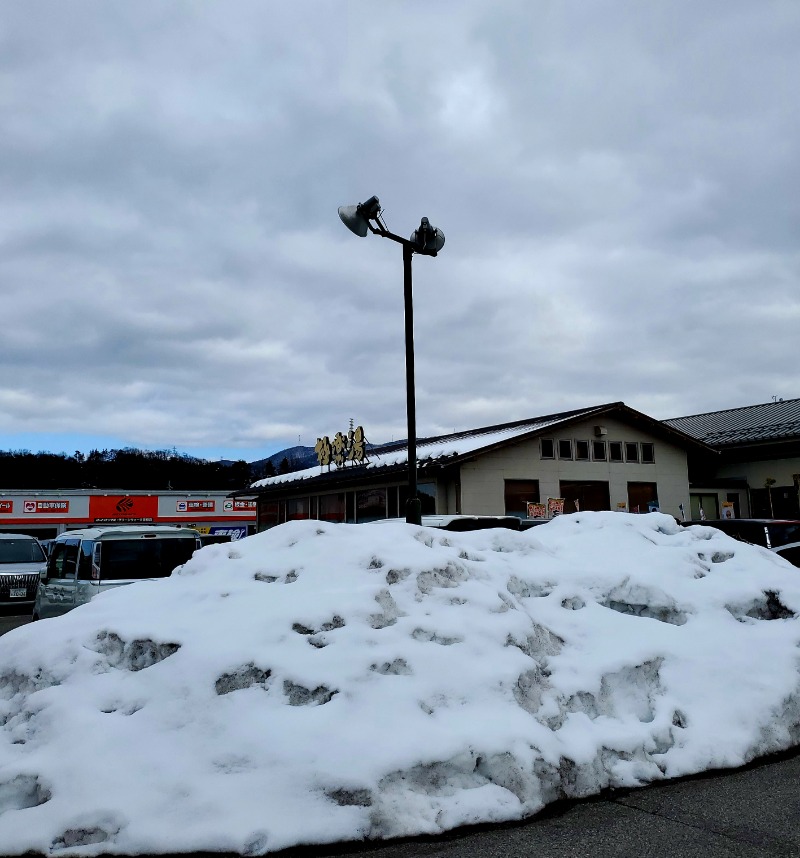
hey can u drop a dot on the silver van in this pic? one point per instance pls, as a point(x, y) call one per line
point(22, 562)
point(83, 563)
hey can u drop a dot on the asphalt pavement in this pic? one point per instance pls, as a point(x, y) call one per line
point(742, 813)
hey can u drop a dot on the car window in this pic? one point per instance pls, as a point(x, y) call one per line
point(21, 551)
point(85, 560)
point(133, 559)
point(63, 560)
point(784, 534)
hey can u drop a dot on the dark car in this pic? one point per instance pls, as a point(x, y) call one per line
point(463, 523)
point(779, 535)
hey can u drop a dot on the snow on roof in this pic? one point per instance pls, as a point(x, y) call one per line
point(327, 682)
point(440, 447)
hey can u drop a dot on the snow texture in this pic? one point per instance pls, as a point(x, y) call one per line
point(326, 682)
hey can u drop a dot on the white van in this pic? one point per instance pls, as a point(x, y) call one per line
point(83, 563)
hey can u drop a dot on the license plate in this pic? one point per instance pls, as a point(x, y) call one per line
point(17, 592)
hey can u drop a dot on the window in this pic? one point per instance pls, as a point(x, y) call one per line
point(582, 451)
point(296, 508)
point(426, 492)
point(548, 450)
point(134, 559)
point(642, 497)
point(332, 507)
point(583, 495)
point(268, 514)
point(370, 505)
point(565, 449)
point(648, 453)
point(599, 451)
point(518, 494)
point(631, 451)
point(85, 560)
point(615, 451)
point(708, 503)
point(21, 551)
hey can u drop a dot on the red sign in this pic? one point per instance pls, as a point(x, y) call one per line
point(195, 505)
point(231, 505)
point(6, 506)
point(110, 508)
point(51, 506)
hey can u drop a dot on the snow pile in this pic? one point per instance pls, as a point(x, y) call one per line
point(324, 682)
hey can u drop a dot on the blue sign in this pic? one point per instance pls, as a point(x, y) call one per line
point(234, 532)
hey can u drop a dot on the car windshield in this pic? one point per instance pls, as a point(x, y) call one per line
point(784, 534)
point(133, 559)
point(21, 551)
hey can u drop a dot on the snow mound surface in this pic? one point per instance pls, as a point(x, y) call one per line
point(323, 682)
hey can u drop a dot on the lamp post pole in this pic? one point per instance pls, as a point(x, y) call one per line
point(428, 241)
point(413, 503)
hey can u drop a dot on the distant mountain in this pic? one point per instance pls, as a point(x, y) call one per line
point(298, 458)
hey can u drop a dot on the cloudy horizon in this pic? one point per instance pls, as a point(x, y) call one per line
point(616, 183)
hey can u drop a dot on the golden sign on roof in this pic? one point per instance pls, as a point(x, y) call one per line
point(351, 447)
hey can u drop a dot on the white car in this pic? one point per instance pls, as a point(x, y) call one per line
point(22, 561)
point(83, 563)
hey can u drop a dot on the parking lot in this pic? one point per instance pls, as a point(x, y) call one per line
point(12, 622)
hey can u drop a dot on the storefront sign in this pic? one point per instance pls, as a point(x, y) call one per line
point(113, 508)
point(6, 506)
point(195, 505)
point(46, 506)
point(351, 447)
point(233, 505)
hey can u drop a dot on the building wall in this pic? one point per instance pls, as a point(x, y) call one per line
point(784, 494)
point(47, 513)
point(482, 481)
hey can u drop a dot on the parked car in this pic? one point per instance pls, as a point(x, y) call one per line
point(22, 561)
point(214, 538)
point(83, 563)
point(471, 522)
point(779, 535)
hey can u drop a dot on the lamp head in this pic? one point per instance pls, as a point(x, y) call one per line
point(357, 218)
point(427, 239)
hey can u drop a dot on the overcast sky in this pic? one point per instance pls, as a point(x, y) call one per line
point(618, 183)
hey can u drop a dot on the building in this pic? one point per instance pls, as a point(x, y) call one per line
point(45, 514)
point(756, 472)
point(607, 457)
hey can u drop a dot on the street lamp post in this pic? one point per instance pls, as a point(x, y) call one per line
point(428, 241)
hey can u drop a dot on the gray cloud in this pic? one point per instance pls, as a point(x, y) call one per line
point(616, 183)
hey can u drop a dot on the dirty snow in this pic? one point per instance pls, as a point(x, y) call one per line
point(324, 682)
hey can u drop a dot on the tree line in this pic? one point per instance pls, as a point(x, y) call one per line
point(135, 469)
point(119, 469)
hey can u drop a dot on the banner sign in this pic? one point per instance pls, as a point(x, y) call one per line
point(537, 510)
point(727, 510)
point(234, 532)
point(46, 506)
point(555, 506)
point(114, 508)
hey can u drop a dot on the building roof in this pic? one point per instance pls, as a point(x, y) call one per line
point(449, 449)
point(772, 421)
